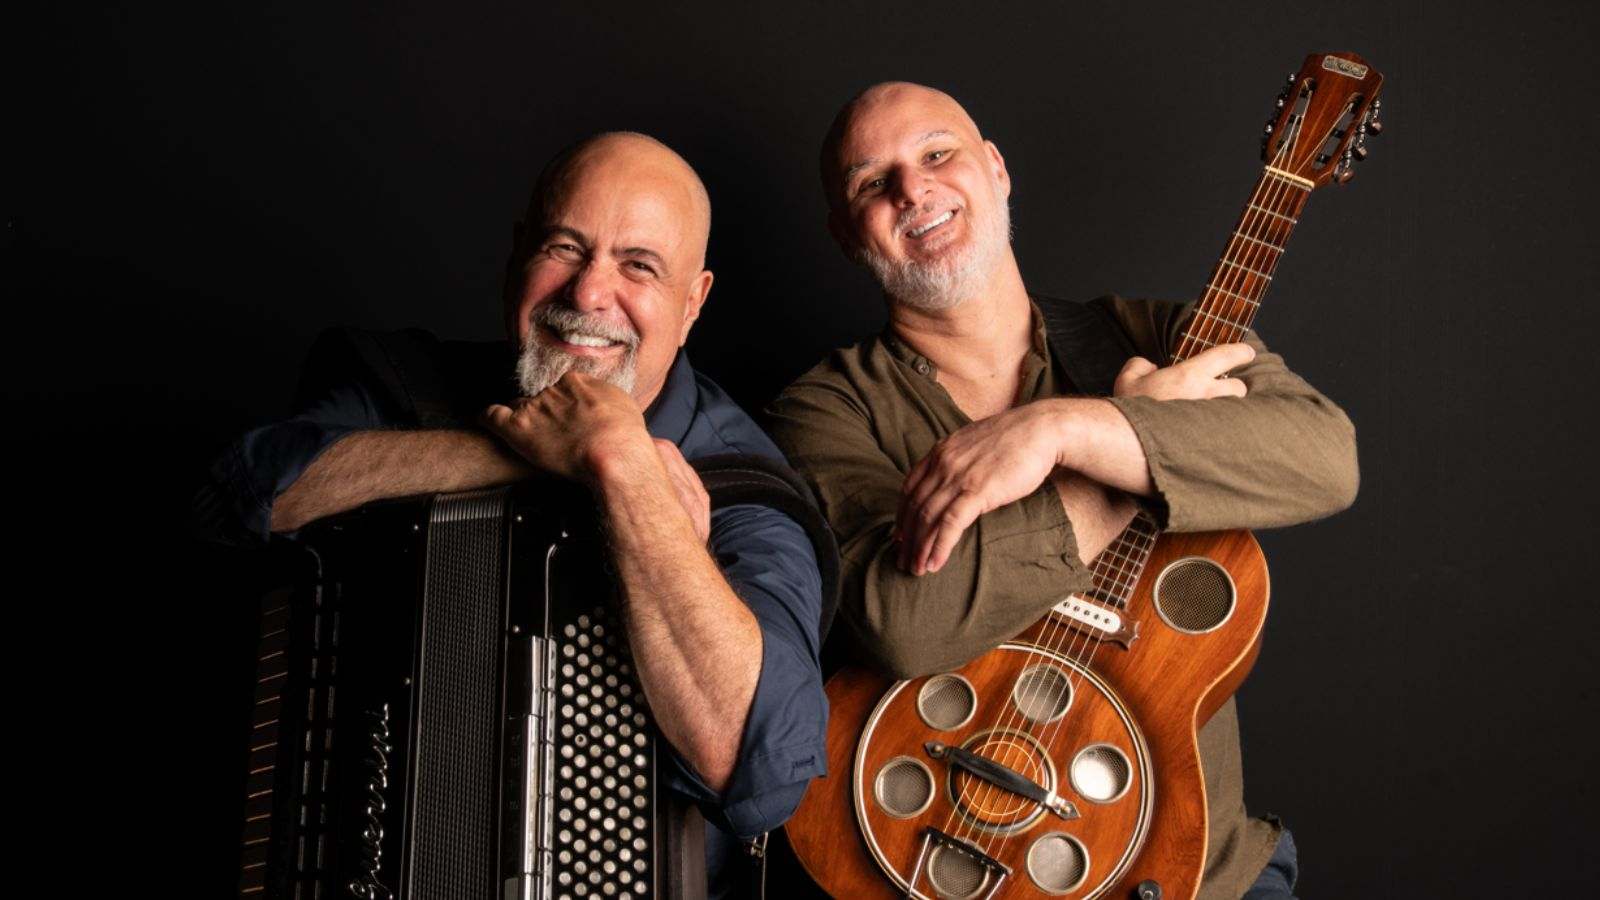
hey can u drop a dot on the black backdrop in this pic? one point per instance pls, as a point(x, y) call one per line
point(198, 193)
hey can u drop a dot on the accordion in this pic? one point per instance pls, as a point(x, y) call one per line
point(446, 706)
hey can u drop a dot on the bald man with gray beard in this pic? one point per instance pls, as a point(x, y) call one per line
point(606, 277)
point(968, 480)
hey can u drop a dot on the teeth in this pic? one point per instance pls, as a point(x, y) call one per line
point(584, 340)
point(919, 232)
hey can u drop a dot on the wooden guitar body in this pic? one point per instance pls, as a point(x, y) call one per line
point(1147, 701)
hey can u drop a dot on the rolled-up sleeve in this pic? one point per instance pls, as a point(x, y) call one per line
point(1280, 455)
point(234, 503)
point(769, 562)
point(1004, 573)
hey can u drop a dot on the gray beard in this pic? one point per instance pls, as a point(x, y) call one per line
point(947, 283)
point(540, 366)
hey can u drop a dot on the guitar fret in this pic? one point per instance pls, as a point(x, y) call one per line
point(1247, 269)
point(1226, 292)
point(1291, 221)
point(1128, 559)
point(1270, 246)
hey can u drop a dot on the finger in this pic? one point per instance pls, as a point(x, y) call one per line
point(929, 518)
point(1228, 387)
point(1132, 371)
point(1137, 367)
point(1220, 359)
point(496, 417)
point(908, 488)
point(921, 508)
point(959, 516)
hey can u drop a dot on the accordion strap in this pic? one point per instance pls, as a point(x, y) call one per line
point(734, 478)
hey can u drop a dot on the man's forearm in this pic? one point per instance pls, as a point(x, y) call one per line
point(1098, 442)
point(1097, 513)
point(374, 465)
point(697, 646)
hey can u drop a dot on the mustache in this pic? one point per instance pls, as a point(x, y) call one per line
point(568, 320)
point(907, 216)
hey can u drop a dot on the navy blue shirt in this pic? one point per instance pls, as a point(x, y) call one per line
point(766, 557)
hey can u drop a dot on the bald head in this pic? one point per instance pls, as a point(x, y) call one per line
point(631, 160)
point(868, 111)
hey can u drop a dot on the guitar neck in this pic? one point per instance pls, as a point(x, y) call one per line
point(1243, 274)
point(1225, 311)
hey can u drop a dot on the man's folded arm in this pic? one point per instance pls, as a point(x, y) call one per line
point(1011, 566)
point(336, 455)
point(1280, 455)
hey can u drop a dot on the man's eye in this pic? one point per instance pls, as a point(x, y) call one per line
point(565, 251)
point(872, 185)
point(938, 155)
point(638, 266)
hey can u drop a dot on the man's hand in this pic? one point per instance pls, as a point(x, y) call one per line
point(980, 467)
point(570, 425)
point(1200, 377)
point(686, 482)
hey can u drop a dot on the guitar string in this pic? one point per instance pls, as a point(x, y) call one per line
point(1264, 261)
point(1127, 555)
point(1128, 566)
point(1053, 631)
point(1127, 578)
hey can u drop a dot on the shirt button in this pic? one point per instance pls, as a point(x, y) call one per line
point(922, 367)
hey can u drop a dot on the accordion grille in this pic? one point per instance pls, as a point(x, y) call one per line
point(456, 782)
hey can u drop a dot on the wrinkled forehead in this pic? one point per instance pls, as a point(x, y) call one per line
point(888, 120)
point(645, 202)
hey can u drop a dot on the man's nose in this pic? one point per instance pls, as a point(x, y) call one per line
point(590, 288)
point(910, 186)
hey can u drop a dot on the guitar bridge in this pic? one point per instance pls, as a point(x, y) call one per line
point(955, 868)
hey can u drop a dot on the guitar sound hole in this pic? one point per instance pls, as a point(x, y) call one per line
point(1042, 694)
point(1100, 773)
point(904, 787)
point(956, 875)
point(1195, 595)
point(946, 702)
point(1057, 863)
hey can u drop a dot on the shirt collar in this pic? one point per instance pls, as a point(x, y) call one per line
point(1038, 350)
point(672, 412)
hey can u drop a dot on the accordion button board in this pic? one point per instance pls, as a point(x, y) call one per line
point(446, 707)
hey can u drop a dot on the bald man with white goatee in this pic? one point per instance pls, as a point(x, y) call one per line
point(970, 483)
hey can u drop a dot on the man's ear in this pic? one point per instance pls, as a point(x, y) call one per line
point(697, 298)
point(998, 164)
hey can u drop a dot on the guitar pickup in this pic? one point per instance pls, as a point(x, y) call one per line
point(1097, 620)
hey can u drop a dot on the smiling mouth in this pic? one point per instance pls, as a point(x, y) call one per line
point(579, 339)
point(923, 229)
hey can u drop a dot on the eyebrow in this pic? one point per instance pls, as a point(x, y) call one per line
point(566, 231)
point(872, 160)
point(586, 241)
point(644, 253)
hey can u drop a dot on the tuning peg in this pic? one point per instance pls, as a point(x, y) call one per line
point(1374, 126)
point(1359, 152)
point(1343, 176)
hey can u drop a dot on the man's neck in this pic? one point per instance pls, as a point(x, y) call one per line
point(981, 338)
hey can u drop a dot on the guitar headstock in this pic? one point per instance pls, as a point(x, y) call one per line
point(1319, 130)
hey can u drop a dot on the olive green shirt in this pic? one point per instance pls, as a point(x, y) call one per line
point(856, 423)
